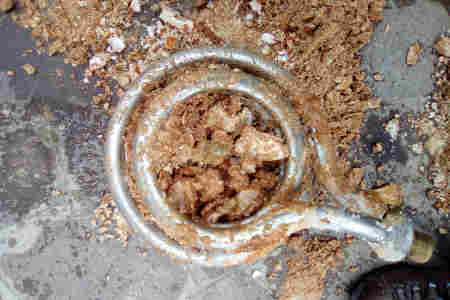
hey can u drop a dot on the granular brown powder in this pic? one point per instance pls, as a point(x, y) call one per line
point(313, 258)
point(216, 160)
point(434, 127)
point(109, 223)
point(317, 40)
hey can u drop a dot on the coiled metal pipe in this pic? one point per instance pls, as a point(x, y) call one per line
point(253, 238)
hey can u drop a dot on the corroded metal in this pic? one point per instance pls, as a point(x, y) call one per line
point(252, 238)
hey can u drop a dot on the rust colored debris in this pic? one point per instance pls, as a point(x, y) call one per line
point(413, 55)
point(307, 269)
point(213, 163)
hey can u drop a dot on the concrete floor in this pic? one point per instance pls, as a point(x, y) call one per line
point(51, 139)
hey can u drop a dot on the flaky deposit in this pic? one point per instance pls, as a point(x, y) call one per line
point(413, 54)
point(260, 146)
point(443, 46)
point(217, 160)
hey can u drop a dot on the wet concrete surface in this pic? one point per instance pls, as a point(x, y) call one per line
point(52, 173)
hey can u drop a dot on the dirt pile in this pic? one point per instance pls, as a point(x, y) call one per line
point(109, 224)
point(434, 127)
point(317, 40)
point(314, 257)
point(217, 160)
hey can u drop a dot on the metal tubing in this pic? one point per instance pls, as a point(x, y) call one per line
point(160, 109)
point(252, 238)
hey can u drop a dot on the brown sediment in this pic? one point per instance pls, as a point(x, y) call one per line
point(203, 158)
point(336, 94)
point(317, 41)
point(434, 127)
point(216, 140)
point(109, 223)
point(314, 257)
point(414, 51)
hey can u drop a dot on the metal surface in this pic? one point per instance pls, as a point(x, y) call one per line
point(180, 91)
point(252, 238)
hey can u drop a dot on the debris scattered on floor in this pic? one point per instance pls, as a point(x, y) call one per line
point(374, 103)
point(317, 41)
point(6, 5)
point(292, 33)
point(443, 46)
point(308, 267)
point(214, 164)
point(260, 146)
point(109, 224)
point(435, 145)
point(172, 17)
point(29, 69)
point(355, 177)
point(414, 52)
point(390, 194)
point(378, 76)
point(434, 127)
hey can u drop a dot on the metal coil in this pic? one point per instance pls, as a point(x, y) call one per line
point(252, 238)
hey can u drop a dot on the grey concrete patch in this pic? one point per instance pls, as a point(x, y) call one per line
point(386, 53)
point(45, 83)
point(397, 163)
point(18, 239)
point(404, 91)
point(6, 91)
point(29, 166)
point(66, 265)
point(8, 289)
